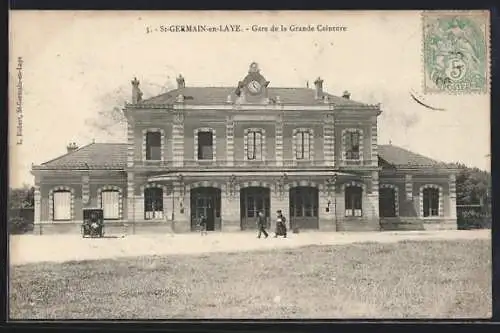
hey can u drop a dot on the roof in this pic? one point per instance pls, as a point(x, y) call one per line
point(398, 156)
point(94, 155)
point(114, 155)
point(218, 95)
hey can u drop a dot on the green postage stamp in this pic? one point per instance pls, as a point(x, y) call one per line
point(456, 52)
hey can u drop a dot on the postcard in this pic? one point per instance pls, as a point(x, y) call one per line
point(249, 165)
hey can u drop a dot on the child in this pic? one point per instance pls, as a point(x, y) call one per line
point(203, 225)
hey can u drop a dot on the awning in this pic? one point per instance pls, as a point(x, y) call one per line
point(222, 174)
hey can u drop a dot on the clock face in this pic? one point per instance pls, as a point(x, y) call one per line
point(254, 87)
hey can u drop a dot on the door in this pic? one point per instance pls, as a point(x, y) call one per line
point(205, 201)
point(304, 208)
point(252, 201)
point(387, 202)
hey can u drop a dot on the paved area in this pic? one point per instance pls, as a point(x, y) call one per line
point(61, 248)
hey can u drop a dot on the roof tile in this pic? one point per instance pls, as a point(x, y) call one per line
point(104, 155)
point(218, 95)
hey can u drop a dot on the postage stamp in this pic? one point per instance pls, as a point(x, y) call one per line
point(455, 52)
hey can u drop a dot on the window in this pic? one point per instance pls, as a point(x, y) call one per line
point(353, 201)
point(153, 203)
point(352, 142)
point(62, 205)
point(110, 203)
point(254, 148)
point(303, 145)
point(153, 146)
point(431, 202)
point(205, 145)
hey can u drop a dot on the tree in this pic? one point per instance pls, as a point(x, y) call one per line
point(23, 197)
point(473, 188)
point(110, 118)
point(473, 185)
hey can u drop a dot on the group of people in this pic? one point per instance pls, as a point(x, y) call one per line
point(261, 224)
point(280, 225)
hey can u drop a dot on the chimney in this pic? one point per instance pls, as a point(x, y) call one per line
point(71, 147)
point(346, 95)
point(318, 94)
point(136, 92)
point(181, 83)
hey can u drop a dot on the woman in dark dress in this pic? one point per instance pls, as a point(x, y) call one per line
point(280, 225)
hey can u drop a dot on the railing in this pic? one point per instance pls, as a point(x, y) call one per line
point(248, 163)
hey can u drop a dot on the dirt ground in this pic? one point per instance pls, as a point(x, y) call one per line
point(62, 248)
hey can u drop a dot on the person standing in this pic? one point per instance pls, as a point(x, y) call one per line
point(280, 225)
point(261, 224)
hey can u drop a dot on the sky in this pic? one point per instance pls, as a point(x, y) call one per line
point(78, 66)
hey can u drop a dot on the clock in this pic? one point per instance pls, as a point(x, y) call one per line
point(254, 87)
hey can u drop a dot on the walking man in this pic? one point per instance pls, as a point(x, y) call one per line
point(261, 224)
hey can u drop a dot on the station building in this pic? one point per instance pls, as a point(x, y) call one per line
point(229, 152)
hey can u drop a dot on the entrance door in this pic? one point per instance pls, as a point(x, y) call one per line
point(387, 202)
point(254, 200)
point(304, 208)
point(206, 201)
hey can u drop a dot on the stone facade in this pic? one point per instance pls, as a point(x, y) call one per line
point(311, 155)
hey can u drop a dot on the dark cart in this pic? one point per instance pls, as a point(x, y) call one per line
point(93, 222)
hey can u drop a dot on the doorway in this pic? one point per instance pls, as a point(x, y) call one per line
point(252, 201)
point(304, 208)
point(387, 202)
point(206, 201)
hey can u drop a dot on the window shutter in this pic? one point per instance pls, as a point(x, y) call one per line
point(251, 145)
point(307, 143)
point(298, 145)
point(62, 205)
point(258, 145)
point(111, 204)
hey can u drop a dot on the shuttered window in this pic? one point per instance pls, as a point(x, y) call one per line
point(110, 203)
point(62, 206)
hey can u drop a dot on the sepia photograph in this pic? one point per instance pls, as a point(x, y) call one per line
point(249, 165)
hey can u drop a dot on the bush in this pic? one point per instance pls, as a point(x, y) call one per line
point(18, 225)
point(473, 220)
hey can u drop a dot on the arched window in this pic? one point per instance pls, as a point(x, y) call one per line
point(303, 139)
point(353, 200)
point(352, 144)
point(254, 144)
point(388, 200)
point(153, 203)
point(61, 199)
point(110, 199)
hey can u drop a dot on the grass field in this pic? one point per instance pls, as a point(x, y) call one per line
point(438, 279)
